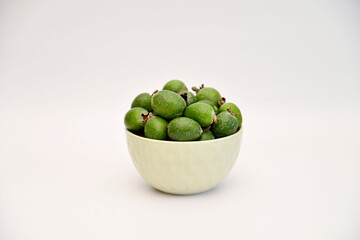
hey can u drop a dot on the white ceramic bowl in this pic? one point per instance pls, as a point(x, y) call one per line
point(184, 167)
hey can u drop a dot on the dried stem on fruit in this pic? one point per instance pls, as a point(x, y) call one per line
point(184, 96)
point(146, 117)
point(215, 119)
point(155, 92)
point(234, 114)
point(183, 89)
point(197, 89)
point(222, 101)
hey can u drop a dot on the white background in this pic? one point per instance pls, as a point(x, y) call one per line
point(70, 69)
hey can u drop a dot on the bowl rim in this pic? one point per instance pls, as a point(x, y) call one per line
point(186, 142)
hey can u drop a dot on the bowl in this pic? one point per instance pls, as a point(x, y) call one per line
point(184, 167)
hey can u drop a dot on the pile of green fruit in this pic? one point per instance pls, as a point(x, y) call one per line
point(175, 113)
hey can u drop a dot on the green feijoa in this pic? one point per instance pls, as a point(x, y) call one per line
point(200, 112)
point(175, 86)
point(184, 129)
point(206, 135)
point(207, 93)
point(168, 104)
point(155, 128)
point(134, 119)
point(189, 97)
point(234, 109)
point(216, 109)
point(142, 100)
point(226, 125)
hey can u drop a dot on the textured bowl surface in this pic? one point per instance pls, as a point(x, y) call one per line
point(184, 167)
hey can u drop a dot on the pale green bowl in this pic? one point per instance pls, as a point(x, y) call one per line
point(184, 167)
